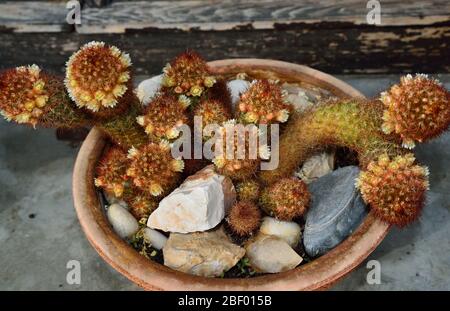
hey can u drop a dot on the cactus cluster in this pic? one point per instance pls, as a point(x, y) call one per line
point(286, 199)
point(263, 103)
point(416, 109)
point(162, 118)
point(140, 204)
point(395, 188)
point(243, 219)
point(152, 168)
point(188, 74)
point(212, 111)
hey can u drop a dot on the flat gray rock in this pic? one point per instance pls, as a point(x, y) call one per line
point(336, 210)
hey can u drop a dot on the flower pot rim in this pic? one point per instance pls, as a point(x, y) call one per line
point(320, 273)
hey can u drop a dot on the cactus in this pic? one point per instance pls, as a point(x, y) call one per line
point(416, 109)
point(248, 190)
point(123, 129)
point(395, 188)
point(212, 112)
point(286, 199)
point(153, 169)
point(352, 123)
point(98, 79)
point(111, 171)
point(264, 102)
point(30, 96)
point(243, 219)
point(231, 162)
point(140, 204)
point(163, 116)
point(188, 74)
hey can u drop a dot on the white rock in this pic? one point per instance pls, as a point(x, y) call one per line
point(157, 239)
point(147, 89)
point(123, 223)
point(199, 204)
point(288, 231)
point(316, 166)
point(270, 254)
point(237, 87)
point(201, 253)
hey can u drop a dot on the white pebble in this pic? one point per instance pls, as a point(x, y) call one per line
point(288, 231)
point(147, 89)
point(237, 87)
point(157, 239)
point(123, 223)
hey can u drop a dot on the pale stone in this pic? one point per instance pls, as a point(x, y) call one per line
point(123, 223)
point(316, 167)
point(199, 204)
point(270, 254)
point(206, 254)
point(111, 199)
point(147, 89)
point(237, 87)
point(155, 238)
point(288, 231)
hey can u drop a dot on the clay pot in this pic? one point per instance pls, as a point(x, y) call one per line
point(318, 274)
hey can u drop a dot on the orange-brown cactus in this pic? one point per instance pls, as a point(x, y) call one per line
point(30, 96)
point(111, 171)
point(98, 77)
point(248, 190)
point(286, 199)
point(163, 116)
point(417, 109)
point(141, 204)
point(212, 112)
point(264, 102)
point(236, 159)
point(243, 219)
point(188, 74)
point(153, 169)
point(395, 188)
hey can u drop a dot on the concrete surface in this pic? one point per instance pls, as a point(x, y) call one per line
point(39, 231)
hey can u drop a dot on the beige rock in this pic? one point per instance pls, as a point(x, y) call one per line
point(123, 223)
point(288, 231)
point(199, 204)
point(155, 238)
point(316, 166)
point(201, 253)
point(270, 254)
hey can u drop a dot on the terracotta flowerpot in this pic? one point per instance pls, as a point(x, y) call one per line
point(318, 274)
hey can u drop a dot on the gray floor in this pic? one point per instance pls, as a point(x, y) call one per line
point(39, 231)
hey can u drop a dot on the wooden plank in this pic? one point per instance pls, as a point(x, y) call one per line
point(331, 47)
point(33, 16)
point(256, 14)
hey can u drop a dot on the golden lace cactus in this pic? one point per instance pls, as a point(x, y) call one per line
point(243, 219)
point(395, 188)
point(416, 109)
point(212, 111)
point(153, 169)
point(286, 199)
point(162, 118)
point(111, 171)
point(264, 102)
point(248, 190)
point(98, 76)
point(239, 153)
point(188, 74)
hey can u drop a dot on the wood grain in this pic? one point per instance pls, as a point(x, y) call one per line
point(33, 16)
point(258, 14)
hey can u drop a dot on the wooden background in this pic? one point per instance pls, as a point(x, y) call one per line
point(333, 36)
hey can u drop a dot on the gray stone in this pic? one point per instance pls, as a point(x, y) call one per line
point(336, 210)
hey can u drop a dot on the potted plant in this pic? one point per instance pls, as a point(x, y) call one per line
point(141, 207)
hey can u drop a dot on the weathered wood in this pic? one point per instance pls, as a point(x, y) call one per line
point(329, 47)
point(257, 14)
point(34, 16)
